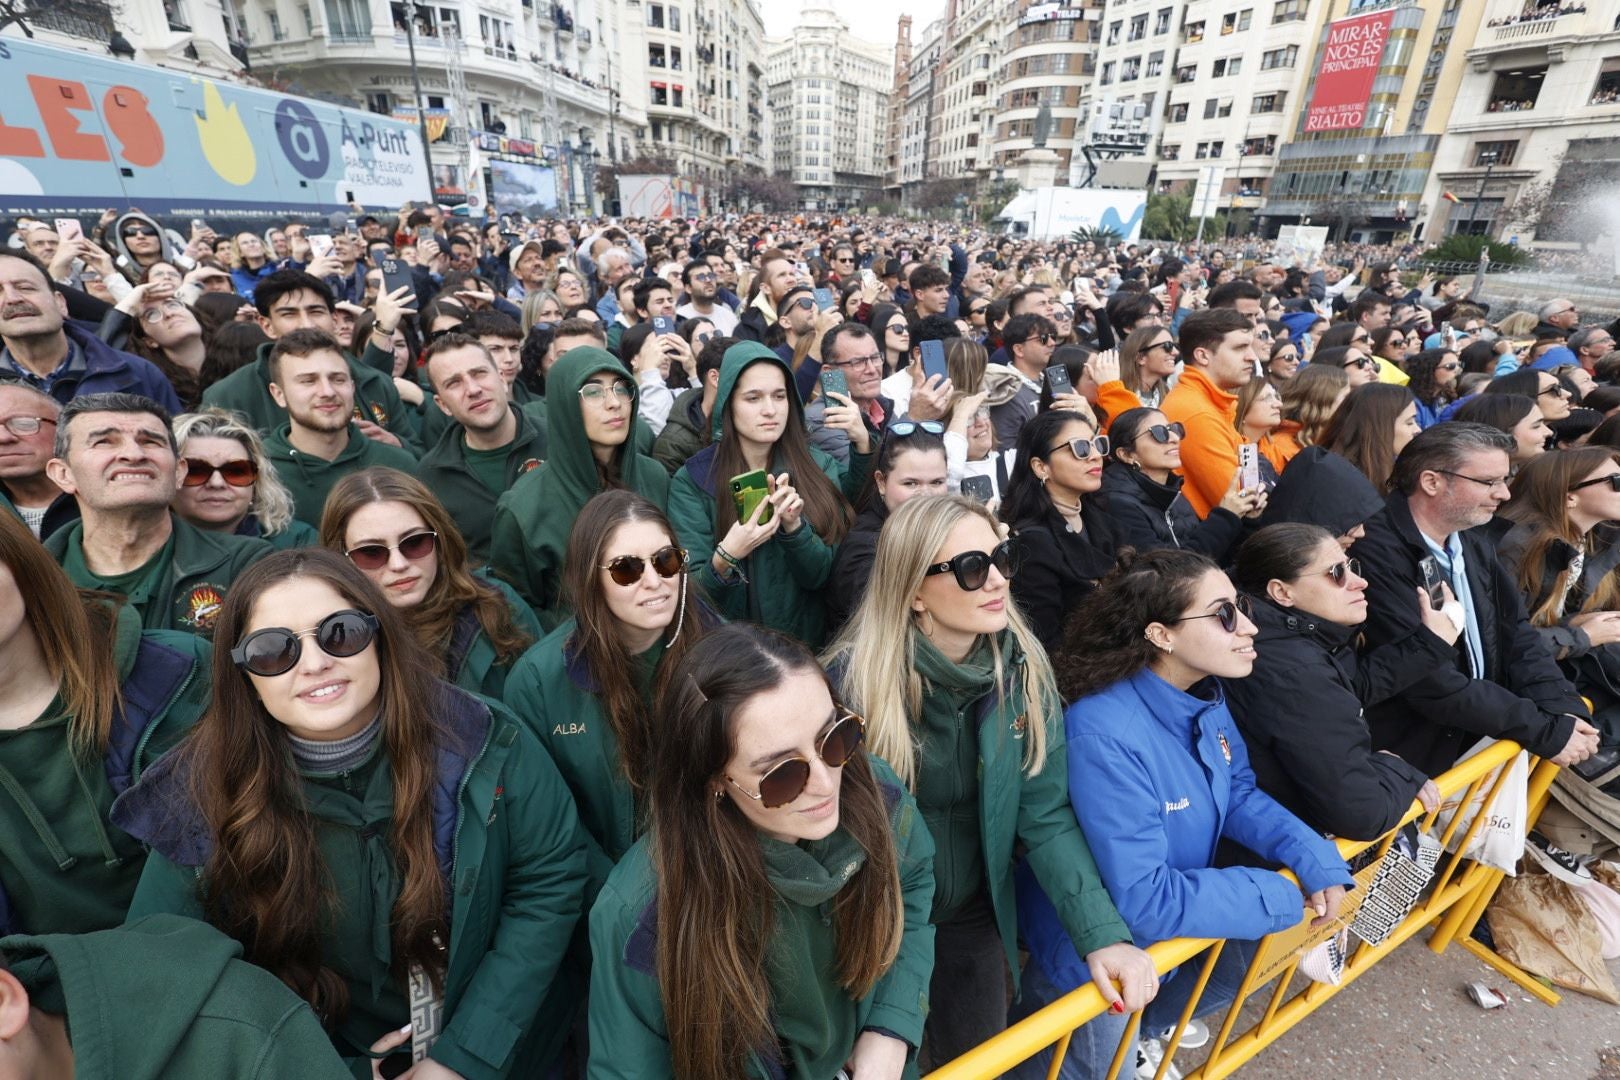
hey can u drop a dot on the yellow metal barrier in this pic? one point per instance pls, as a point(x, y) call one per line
point(1455, 898)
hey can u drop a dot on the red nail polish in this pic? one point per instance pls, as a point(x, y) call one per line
point(1116, 1007)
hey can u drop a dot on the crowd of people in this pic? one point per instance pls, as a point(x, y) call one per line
point(725, 647)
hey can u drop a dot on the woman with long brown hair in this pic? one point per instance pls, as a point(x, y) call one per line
point(396, 850)
point(400, 535)
point(87, 702)
point(1371, 427)
point(774, 919)
point(1148, 358)
point(1308, 400)
point(770, 568)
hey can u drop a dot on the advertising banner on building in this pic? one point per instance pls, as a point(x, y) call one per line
point(1351, 55)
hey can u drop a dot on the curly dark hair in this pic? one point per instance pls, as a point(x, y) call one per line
point(1421, 368)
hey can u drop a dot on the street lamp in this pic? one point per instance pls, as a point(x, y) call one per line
point(1489, 157)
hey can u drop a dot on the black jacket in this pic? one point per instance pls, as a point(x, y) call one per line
point(853, 567)
point(1321, 488)
point(1060, 567)
point(1300, 712)
point(1523, 695)
point(1148, 515)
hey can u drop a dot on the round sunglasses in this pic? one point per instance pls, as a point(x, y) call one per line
point(666, 562)
point(275, 650)
point(786, 780)
point(413, 547)
point(235, 473)
point(972, 568)
point(1227, 613)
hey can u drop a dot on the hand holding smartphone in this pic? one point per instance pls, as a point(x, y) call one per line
point(1433, 581)
point(1248, 466)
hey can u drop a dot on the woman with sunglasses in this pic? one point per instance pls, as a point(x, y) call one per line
point(1515, 414)
point(1300, 709)
point(1070, 541)
point(893, 332)
point(1141, 492)
point(88, 702)
point(399, 535)
point(774, 919)
point(1283, 363)
point(1550, 395)
point(1434, 383)
point(230, 485)
point(389, 846)
point(1148, 360)
point(1308, 402)
point(593, 439)
point(959, 698)
point(1371, 428)
point(1389, 347)
point(1144, 666)
point(771, 568)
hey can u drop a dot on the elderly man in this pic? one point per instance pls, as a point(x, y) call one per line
point(1559, 318)
point(611, 269)
point(1591, 344)
point(27, 431)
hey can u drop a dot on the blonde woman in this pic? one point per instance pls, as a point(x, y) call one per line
point(1308, 400)
point(230, 486)
point(959, 698)
point(541, 306)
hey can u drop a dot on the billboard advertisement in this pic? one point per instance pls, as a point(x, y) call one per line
point(517, 187)
point(81, 132)
point(1344, 82)
point(660, 197)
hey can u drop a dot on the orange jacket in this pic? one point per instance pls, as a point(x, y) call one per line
point(1209, 453)
point(1114, 397)
point(1285, 442)
point(1277, 451)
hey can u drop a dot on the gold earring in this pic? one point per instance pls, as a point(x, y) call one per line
point(927, 631)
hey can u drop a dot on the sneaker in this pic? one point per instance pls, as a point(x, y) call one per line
point(1149, 1052)
point(1561, 864)
point(1194, 1035)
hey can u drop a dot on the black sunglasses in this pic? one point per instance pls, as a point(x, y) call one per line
point(972, 568)
point(1227, 613)
point(1360, 362)
point(275, 650)
point(1555, 388)
point(139, 230)
point(435, 335)
point(1161, 432)
point(1613, 480)
point(787, 780)
point(666, 562)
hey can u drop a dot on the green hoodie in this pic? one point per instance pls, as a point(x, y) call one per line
point(782, 580)
point(64, 868)
point(310, 479)
point(816, 1022)
point(246, 391)
point(533, 519)
point(447, 473)
point(167, 998)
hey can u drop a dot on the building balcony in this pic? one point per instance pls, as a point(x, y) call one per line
point(1531, 27)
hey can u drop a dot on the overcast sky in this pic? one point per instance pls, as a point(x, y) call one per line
point(874, 20)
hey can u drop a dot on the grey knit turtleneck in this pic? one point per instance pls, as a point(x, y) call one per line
point(336, 755)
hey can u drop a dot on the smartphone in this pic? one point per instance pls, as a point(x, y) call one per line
point(824, 300)
point(663, 324)
point(69, 229)
point(1433, 583)
point(1057, 379)
point(198, 225)
point(834, 381)
point(933, 359)
point(868, 278)
point(1248, 466)
point(747, 492)
point(979, 488)
point(424, 232)
point(320, 245)
point(396, 274)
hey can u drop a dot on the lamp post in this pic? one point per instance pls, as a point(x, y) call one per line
point(1489, 157)
point(416, 85)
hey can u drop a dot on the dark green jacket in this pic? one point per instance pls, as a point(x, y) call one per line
point(815, 1020)
point(297, 534)
point(246, 391)
point(201, 567)
point(478, 667)
point(533, 519)
point(167, 998)
point(683, 431)
point(432, 422)
point(782, 582)
point(445, 471)
point(510, 846)
point(310, 479)
point(63, 867)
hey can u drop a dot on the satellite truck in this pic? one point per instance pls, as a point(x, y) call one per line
point(1052, 213)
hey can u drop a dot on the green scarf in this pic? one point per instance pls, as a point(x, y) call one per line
point(974, 677)
point(811, 872)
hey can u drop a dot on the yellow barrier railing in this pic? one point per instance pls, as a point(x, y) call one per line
point(1455, 898)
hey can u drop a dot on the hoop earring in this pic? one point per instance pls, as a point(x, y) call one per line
point(927, 632)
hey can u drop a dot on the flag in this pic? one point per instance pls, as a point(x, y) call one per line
point(1449, 197)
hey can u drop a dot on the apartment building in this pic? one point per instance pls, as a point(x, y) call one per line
point(703, 72)
point(916, 111)
point(898, 93)
point(184, 35)
point(1136, 63)
point(1047, 57)
point(829, 96)
point(964, 87)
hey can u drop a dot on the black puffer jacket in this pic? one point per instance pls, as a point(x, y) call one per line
point(1148, 515)
point(1300, 712)
point(1321, 488)
point(852, 568)
point(1061, 567)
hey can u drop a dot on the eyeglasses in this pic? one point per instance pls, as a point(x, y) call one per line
point(1613, 480)
point(235, 473)
point(844, 259)
point(869, 360)
point(1340, 572)
point(803, 303)
point(596, 391)
point(666, 562)
point(139, 230)
point(787, 780)
point(1360, 362)
point(705, 276)
point(155, 314)
point(1500, 481)
point(1083, 448)
point(412, 548)
point(25, 425)
point(901, 428)
point(1047, 339)
point(1227, 613)
point(275, 650)
point(435, 335)
point(1161, 432)
point(972, 568)
point(1555, 388)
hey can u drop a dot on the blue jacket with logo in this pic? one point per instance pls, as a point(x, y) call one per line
point(1158, 776)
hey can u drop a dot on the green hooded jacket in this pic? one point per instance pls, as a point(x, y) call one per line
point(64, 868)
point(432, 422)
point(310, 479)
point(816, 1022)
point(187, 591)
point(481, 671)
point(783, 579)
point(167, 998)
point(444, 469)
point(533, 519)
point(246, 392)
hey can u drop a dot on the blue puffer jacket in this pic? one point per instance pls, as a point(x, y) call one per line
point(107, 370)
point(1157, 777)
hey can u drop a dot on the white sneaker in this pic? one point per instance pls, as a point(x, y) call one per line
point(1149, 1052)
point(1194, 1035)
